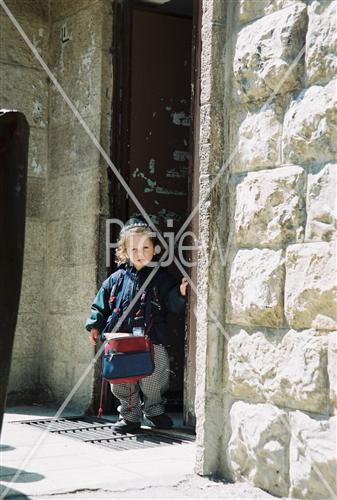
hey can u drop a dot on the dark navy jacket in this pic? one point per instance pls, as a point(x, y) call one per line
point(164, 295)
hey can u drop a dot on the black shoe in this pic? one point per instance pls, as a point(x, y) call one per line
point(162, 421)
point(124, 425)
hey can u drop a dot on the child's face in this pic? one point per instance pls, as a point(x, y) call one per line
point(140, 250)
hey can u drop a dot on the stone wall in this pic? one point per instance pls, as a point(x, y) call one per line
point(67, 188)
point(80, 39)
point(24, 87)
point(281, 313)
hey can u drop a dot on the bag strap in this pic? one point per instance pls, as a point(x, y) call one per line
point(121, 294)
point(148, 315)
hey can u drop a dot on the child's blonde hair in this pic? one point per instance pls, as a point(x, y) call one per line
point(121, 250)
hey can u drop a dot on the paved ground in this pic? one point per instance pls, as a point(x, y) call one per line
point(40, 465)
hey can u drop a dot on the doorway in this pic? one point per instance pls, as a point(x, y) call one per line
point(152, 140)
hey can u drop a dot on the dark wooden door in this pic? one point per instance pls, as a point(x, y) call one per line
point(158, 137)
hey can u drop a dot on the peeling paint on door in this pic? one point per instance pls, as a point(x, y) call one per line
point(152, 165)
point(181, 155)
point(181, 118)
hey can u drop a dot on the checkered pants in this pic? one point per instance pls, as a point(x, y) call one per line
point(152, 388)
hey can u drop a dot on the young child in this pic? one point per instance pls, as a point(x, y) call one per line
point(135, 250)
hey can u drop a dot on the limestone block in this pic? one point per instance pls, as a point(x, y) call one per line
point(332, 369)
point(252, 9)
point(13, 48)
point(211, 147)
point(36, 202)
point(61, 9)
point(288, 370)
point(269, 208)
point(57, 377)
point(321, 41)
point(29, 9)
point(258, 137)
point(72, 241)
point(312, 457)
point(71, 149)
point(24, 378)
point(321, 203)
point(309, 131)
point(83, 397)
point(258, 447)
point(28, 336)
point(35, 241)
point(73, 195)
point(265, 51)
point(71, 288)
point(66, 333)
point(77, 62)
point(32, 289)
point(38, 153)
point(310, 286)
point(25, 90)
point(61, 376)
point(255, 286)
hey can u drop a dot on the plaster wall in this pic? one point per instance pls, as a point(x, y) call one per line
point(277, 364)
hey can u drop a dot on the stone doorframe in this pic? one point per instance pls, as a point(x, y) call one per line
point(211, 405)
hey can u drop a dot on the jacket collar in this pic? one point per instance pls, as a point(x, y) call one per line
point(143, 272)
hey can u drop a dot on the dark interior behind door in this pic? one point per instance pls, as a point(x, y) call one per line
point(158, 137)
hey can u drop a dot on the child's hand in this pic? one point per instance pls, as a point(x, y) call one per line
point(93, 335)
point(183, 286)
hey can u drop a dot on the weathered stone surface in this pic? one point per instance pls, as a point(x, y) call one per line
point(71, 337)
point(22, 9)
point(35, 241)
point(30, 96)
point(310, 286)
point(73, 240)
point(211, 149)
point(288, 370)
point(312, 457)
point(252, 9)
point(212, 60)
point(310, 132)
point(38, 152)
point(14, 50)
point(265, 51)
point(321, 41)
point(255, 285)
point(36, 193)
point(269, 208)
point(70, 288)
point(24, 377)
point(73, 195)
point(27, 342)
point(78, 71)
point(258, 447)
point(321, 203)
point(71, 149)
point(332, 369)
point(32, 294)
point(259, 133)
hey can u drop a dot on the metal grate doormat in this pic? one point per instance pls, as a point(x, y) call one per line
point(100, 431)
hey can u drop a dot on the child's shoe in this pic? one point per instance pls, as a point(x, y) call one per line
point(124, 425)
point(162, 421)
